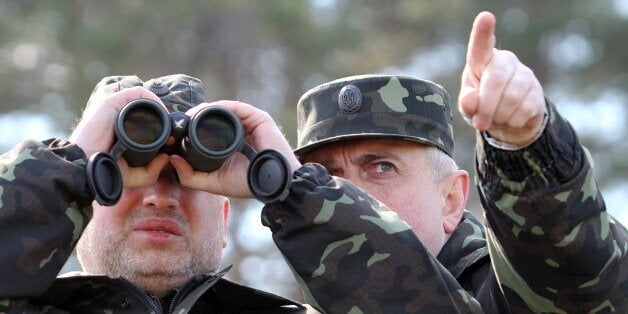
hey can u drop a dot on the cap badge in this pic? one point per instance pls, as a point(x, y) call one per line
point(349, 99)
point(158, 87)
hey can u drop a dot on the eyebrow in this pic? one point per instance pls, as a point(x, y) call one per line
point(370, 157)
point(362, 159)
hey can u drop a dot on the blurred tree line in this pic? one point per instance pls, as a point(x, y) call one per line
point(268, 53)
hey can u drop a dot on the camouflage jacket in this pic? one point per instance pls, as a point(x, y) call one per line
point(44, 207)
point(550, 245)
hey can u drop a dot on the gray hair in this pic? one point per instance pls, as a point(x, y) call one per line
point(442, 165)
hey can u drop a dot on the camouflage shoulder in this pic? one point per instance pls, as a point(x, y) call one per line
point(350, 253)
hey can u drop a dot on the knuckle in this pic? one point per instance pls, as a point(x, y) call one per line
point(527, 71)
point(500, 72)
point(527, 110)
point(513, 96)
point(265, 116)
point(507, 56)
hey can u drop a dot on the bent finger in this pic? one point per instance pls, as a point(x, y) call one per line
point(513, 95)
point(529, 115)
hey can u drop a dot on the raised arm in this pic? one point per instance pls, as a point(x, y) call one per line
point(499, 94)
point(553, 246)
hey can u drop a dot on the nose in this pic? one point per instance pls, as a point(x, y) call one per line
point(163, 195)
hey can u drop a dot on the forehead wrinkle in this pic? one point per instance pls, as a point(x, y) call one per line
point(347, 150)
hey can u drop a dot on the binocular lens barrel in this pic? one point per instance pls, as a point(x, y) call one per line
point(214, 134)
point(206, 138)
point(143, 126)
point(210, 137)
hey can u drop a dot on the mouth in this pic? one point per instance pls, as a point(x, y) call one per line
point(159, 229)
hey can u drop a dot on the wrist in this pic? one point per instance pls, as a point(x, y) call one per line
point(514, 144)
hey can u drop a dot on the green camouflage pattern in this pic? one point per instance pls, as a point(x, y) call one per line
point(553, 246)
point(183, 91)
point(390, 106)
point(178, 92)
point(44, 208)
point(351, 254)
point(549, 246)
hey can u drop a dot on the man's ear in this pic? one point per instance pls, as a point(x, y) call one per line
point(225, 214)
point(456, 190)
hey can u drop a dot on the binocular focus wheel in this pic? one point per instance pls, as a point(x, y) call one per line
point(269, 176)
point(104, 179)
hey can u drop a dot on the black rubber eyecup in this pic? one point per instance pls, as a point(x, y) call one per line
point(104, 179)
point(269, 176)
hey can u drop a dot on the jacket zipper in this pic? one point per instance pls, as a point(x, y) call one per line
point(181, 293)
point(152, 300)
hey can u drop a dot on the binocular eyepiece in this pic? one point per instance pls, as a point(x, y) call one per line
point(206, 138)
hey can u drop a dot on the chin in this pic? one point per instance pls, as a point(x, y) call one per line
point(158, 285)
point(159, 262)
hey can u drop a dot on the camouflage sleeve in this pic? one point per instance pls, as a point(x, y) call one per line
point(44, 207)
point(553, 245)
point(350, 254)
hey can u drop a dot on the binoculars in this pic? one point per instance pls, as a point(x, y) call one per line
point(206, 138)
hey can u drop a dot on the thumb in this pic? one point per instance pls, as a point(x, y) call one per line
point(468, 103)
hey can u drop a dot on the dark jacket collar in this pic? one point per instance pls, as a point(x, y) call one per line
point(466, 246)
point(206, 294)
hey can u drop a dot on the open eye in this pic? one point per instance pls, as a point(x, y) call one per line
point(383, 167)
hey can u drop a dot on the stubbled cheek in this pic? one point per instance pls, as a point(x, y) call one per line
point(118, 213)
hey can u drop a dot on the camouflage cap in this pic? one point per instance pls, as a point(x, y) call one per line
point(375, 106)
point(178, 92)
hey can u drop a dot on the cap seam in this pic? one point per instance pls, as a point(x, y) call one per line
point(314, 145)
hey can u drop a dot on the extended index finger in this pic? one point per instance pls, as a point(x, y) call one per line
point(481, 43)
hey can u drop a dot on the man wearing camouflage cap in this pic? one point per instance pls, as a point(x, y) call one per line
point(549, 245)
point(157, 250)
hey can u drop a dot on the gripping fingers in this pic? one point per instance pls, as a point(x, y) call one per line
point(514, 94)
point(529, 114)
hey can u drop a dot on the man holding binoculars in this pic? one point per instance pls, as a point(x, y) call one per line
point(158, 247)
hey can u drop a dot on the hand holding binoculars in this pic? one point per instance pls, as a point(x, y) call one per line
point(206, 139)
